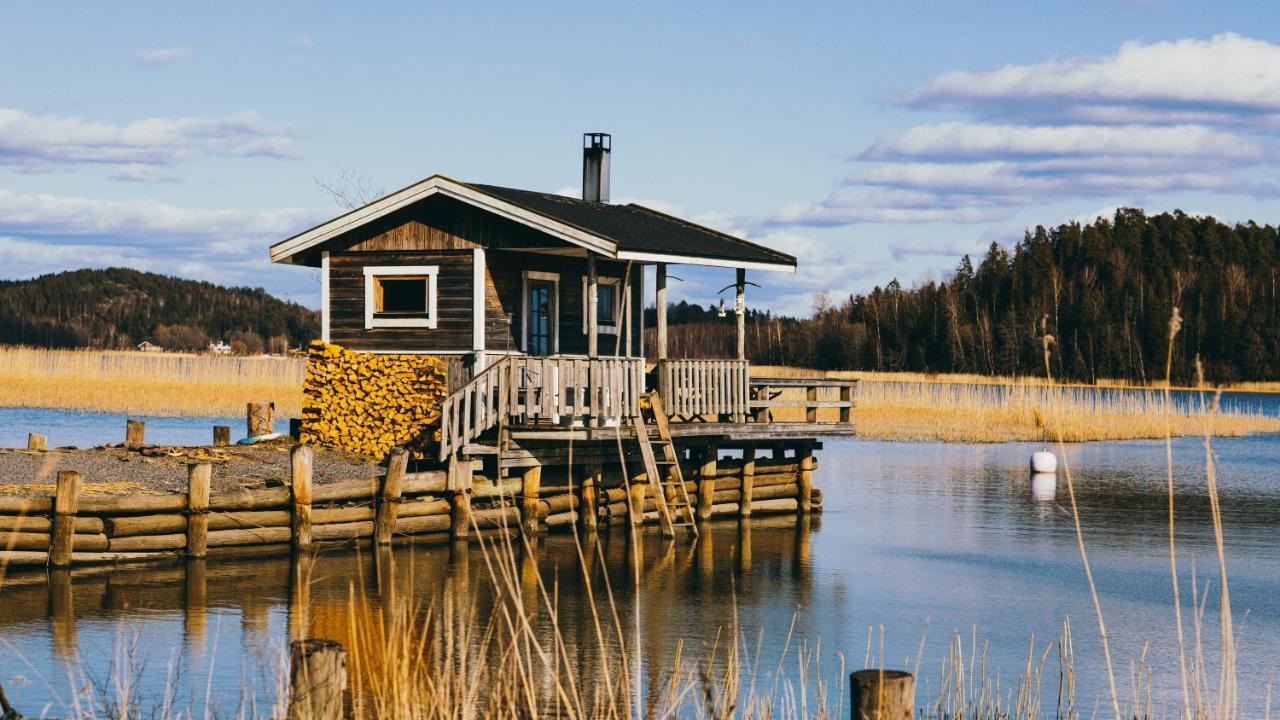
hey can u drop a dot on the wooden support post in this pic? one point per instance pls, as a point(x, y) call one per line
point(881, 695)
point(317, 679)
point(221, 435)
point(530, 490)
point(635, 508)
point(295, 429)
point(804, 479)
point(740, 309)
point(460, 509)
point(748, 480)
point(198, 477)
point(707, 482)
point(588, 501)
point(744, 546)
point(301, 568)
point(811, 410)
point(591, 305)
point(36, 441)
point(135, 432)
point(846, 395)
point(300, 490)
point(662, 310)
point(260, 419)
point(389, 498)
point(66, 502)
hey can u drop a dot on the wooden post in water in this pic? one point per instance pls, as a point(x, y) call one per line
point(198, 476)
point(36, 441)
point(389, 499)
point(195, 603)
point(804, 479)
point(589, 490)
point(62, 615)
point(301, 568)
point(707, 482)
point(635, 508)
point(221, 435)
point(260, 419)
point(66, 502)
point(748, 480)
point(135, 432)
point(460, 508)
point(881, 695)
point(317, 679)
point(300, 489)
point(530, 490)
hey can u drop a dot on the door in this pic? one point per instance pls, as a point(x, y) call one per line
point(542, 317)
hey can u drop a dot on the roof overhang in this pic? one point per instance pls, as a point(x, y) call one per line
point(647, 257)
point(286, 250)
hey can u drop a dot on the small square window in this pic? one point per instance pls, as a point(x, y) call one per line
point(608, 307)
point(400, 296)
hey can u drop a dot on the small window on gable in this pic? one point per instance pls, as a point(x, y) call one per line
point(400, 296)
point(608, 305)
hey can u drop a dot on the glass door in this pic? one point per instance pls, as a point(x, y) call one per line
point(542, 317)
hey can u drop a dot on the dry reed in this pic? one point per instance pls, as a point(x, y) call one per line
point(148, 383)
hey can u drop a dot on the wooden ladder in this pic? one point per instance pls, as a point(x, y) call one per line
point(674, 510)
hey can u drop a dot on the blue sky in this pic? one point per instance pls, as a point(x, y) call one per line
point(872, 140)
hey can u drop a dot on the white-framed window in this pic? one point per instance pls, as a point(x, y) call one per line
point(400, 296)
point(608, 304)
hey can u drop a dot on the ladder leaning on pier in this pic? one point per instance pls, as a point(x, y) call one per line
point(674, 508)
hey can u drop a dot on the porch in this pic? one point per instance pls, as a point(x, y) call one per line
point(559, 398)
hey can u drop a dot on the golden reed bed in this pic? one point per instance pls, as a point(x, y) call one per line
point(904, 406)
point(148, 383)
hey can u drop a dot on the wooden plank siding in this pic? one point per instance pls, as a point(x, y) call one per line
point(441, 231)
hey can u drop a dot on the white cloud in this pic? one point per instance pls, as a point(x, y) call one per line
point(33, 141)
point(1226, 71)
point(301, 41)
point(137, 172)
point(959, 139)
point(162, 56)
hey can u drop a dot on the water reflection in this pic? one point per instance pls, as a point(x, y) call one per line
point(1044, 487)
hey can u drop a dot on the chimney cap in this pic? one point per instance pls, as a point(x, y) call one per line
point(597, 140)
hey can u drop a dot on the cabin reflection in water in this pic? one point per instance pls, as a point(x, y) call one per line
point(688, 593)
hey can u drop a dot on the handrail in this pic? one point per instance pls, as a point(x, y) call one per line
point(767, 398)
point(695, 388)
point(523, 389)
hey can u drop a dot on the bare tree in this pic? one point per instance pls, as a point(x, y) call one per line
point(351, 189)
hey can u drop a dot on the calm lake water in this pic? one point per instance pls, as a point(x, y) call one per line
point(922, 540)
point(88, 429)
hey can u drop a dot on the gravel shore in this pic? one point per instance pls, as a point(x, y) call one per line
point(157, 470)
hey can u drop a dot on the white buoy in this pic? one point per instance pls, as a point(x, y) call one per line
point(1044, 486)
point(1044, 461)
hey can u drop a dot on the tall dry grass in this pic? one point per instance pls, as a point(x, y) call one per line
point(147, 383)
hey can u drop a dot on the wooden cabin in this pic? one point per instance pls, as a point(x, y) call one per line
point(537, 299)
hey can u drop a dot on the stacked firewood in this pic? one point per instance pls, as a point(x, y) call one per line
point(367, 404)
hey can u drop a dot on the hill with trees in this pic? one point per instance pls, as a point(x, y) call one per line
point(119, 308)
point(1105, 291)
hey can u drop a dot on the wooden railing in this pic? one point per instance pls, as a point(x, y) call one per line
point(537, 389)
point(794, 399)
point(704, 388)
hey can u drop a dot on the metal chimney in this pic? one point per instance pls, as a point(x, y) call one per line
point(595, 167)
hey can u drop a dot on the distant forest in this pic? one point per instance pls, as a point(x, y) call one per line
point(1105, 292)
point(119, 308)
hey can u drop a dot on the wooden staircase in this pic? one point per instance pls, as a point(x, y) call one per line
point(665, 476)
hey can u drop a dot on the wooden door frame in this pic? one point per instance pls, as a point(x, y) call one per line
point(554, 279)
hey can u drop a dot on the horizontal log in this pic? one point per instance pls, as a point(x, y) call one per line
point(131, 525)
point(240, 552)
point(422, 524)
point(780, 479)
point(358, 513)
point(496, 517)
point(239, 500)
point(433, 481)
point(148, 543)
point(616, 510)
point(341, 532)
point(774, 506)
point(728, 483)
point(248, 519)
point(343, 490)
point(613, 495)
point(727, 508)
point(131, 504)
point(556, 504)
point(26, 505)
point(255, 536)
point(775, 491)
point(36, 523)
point(483, 487)
point(563, 518)
point(728, 496)
point(40, 541)
point(29, 558)
point(428, 506)
point(763, 467)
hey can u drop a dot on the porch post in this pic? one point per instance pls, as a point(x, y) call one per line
point(740, 309)
point(662, 311)
point(593, 299)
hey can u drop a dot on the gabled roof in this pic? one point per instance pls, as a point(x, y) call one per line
point(625, 232)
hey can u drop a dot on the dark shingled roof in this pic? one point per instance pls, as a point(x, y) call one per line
point(638, 229)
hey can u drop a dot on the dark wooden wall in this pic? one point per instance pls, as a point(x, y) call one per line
point(453, 302)
point(441, 231)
